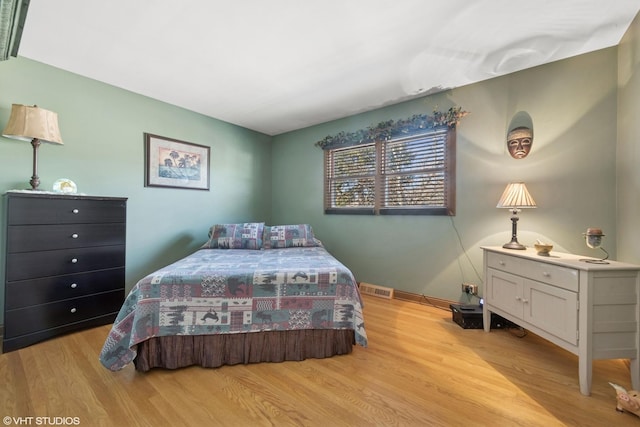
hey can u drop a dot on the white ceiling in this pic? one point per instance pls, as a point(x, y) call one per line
point(280, 65)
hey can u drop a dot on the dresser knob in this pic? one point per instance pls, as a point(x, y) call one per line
point(74, 236)
point(502, 263)
point(545, 274)
point(73, 310)
point(75, 211)
point(74, 285)
point(74, 260)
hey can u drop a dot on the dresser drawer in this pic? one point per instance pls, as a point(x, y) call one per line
point(24, 293)
point(30, 265)
point(42, 210)
point(509, 264)
point(562, 277)
point(27, 238)
point(31, 319)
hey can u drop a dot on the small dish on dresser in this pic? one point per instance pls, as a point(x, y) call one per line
point(64, 185)
point(543, 248)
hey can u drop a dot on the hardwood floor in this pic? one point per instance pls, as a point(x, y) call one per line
point(420, 369)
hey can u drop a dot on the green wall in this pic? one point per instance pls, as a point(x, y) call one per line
point(570, 172)
point(103, 153)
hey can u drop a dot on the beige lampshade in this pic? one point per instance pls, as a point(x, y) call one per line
point(29, 122)
point(516, 196)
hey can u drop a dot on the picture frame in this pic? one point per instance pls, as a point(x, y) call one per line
point(172, 163)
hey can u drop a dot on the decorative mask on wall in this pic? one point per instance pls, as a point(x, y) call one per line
point(520, 135)
point(519, 142)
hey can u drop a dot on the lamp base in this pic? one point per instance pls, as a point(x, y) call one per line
point(514, 245)
point(595, 261)
point(35, 179)
point(35, 183)
point(598, 261)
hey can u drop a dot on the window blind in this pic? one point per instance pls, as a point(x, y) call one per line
point(409, 175)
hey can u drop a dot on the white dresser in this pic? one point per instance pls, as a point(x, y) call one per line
point(588, 309)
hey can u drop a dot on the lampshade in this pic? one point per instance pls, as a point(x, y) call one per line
point(516, 196)
point(31, 122)
point(35, 125)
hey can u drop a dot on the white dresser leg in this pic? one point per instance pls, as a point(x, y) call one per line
point(584, 375)
point(635, 373)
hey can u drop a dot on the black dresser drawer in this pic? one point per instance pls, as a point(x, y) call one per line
point(59, 210)
point(31, 319)
point(29, 265)
point(24, 293)
point(27, 238)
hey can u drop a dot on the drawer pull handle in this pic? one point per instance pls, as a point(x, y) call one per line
point(502, 263)
point(74, 285)
point(74, 236)
point(73, 310)
point(74, 260)
point(525, 301)
point(518, 298)
point(545, 274)
point(75, 211)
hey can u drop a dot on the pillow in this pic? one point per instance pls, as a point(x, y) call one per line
point(247, 235)
point(288, 236)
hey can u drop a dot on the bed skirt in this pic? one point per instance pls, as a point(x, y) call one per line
point(212, 351)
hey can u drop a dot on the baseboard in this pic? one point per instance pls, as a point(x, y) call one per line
point(423, 299)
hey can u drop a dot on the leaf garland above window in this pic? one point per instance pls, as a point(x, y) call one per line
point(392, 129)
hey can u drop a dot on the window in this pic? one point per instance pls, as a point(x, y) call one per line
point(412, 175)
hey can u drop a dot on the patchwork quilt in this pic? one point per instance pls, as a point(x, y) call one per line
point(227, 291)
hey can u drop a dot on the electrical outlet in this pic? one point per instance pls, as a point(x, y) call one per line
point(470, 288)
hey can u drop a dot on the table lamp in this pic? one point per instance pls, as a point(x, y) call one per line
point(593, 239)
point(514, 198)
point(34, 124)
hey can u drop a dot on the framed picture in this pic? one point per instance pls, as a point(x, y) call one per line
point(177, 164)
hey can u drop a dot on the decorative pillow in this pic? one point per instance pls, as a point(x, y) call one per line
point(236, 236)
point(288, 236)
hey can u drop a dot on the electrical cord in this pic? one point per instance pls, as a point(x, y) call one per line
point(453, 224)
point(523, 332)
point(471, 295)
point(430, 304)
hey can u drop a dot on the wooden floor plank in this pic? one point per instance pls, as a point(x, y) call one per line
point(420, 369)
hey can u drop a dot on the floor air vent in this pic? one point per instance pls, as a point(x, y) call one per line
point(376, 291)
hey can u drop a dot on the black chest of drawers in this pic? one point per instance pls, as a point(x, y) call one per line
point(65, 264)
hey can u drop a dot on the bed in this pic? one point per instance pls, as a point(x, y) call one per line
point(252, 293)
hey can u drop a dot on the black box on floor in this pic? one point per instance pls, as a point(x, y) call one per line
point(470, 317)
